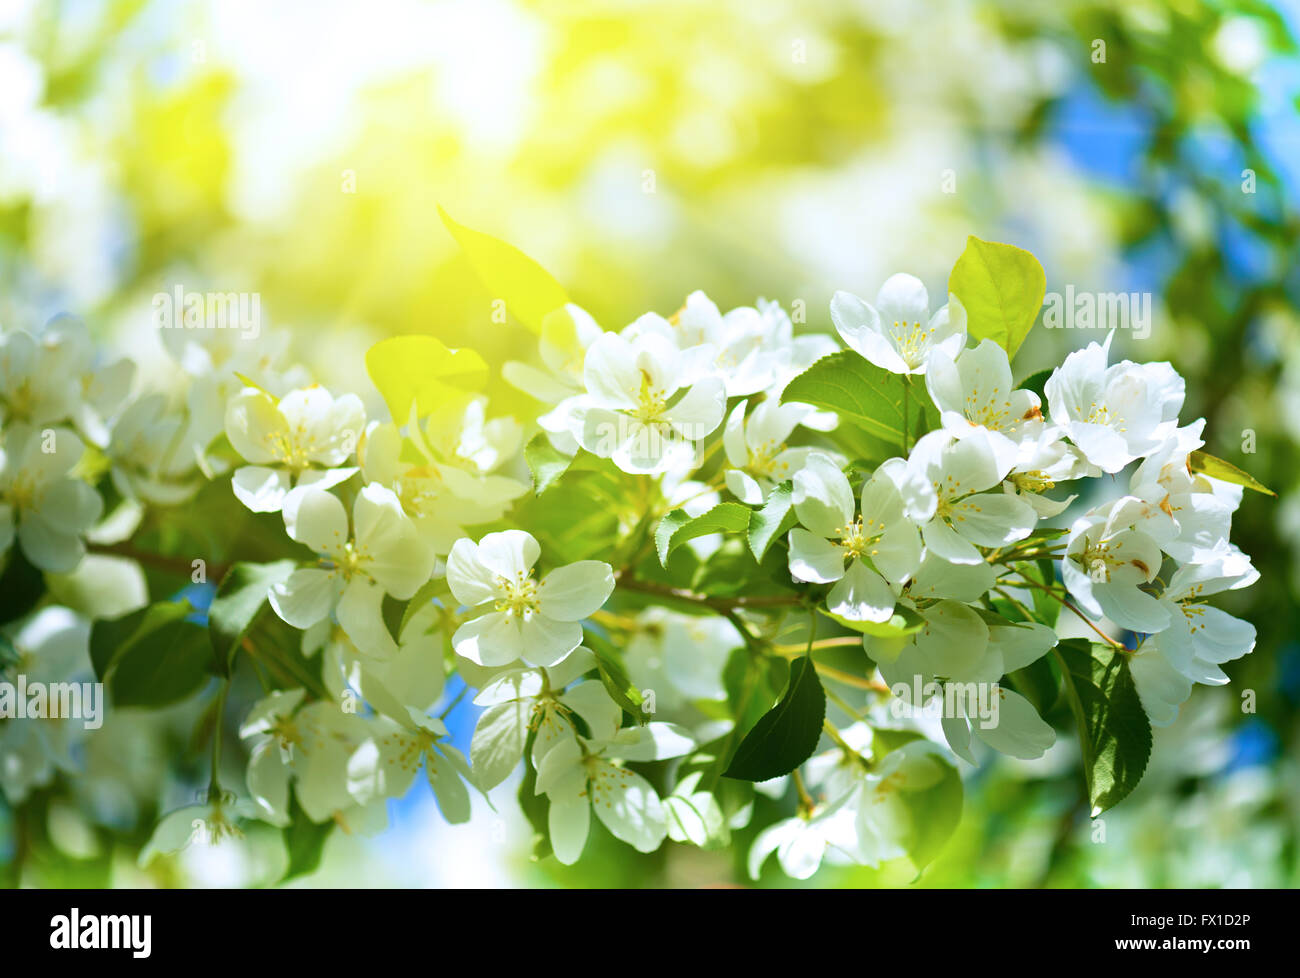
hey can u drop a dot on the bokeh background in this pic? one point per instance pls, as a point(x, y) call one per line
point(640, 151)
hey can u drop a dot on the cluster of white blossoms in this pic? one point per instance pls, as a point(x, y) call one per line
point(637, 687)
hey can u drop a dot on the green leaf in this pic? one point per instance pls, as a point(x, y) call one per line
point(304, 841)
point(772, 521)
point(885, 739)
point(1037, 682)
point(678, 527)
point(1036, 382)
point(21, 586)
point(152, 657)
point(536, 808)
point(8, 653)
point(545, 462)
point(240, 598)
point(1114, 733)
point(902, 622)
point(787, 735)
point(435, 588)
point(866, 396)
point(754, 684)
point(1001, 287)
point(419, 370)
point(528, 289)
point(934, 813)
point(615, 678)
point(1206, 464)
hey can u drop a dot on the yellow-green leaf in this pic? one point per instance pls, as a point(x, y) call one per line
point(528, 289)
point(420, 370)
point(1001, 287)
point(1217, 468)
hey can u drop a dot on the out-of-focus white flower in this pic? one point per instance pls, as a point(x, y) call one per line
point(49, 509)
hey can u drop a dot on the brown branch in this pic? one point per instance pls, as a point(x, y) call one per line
point(629, 583)
point(179, 566)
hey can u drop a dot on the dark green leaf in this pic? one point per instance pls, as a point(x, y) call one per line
point(21, 586)
point(787, 735)
point(240, 598)
point(304, 841)
point(754, 684)
point(1114, 732)
point(151, 657)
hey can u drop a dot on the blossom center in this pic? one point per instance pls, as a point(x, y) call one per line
point(857, 538)
point(651, 401)
point(518, 596)
point(912, 341)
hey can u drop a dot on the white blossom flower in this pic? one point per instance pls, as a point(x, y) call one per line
point(148, 460)
point(578, 775)
point(1046, 459)
point(214, 823)
point(945, 489)
point(413, 677)
point(860, 553)
point(272, 733)
point(680, 657)
point(383, 553)
point(639, 410)
point(52, 646)
point(976, 392)
point(32, 389)
point(898, 333)
point(1199, 639)
point(49, 509)
point(543, 702)
point(566, 333)
point(320, 743)
point(385, 765)
point(1117, 413)
point(443, 498)
point(1107, 561)
point(802, 841)
point(756, 448)
point(532, 620)
point(301, 439)
point(1190, 514)
point(746, 347)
